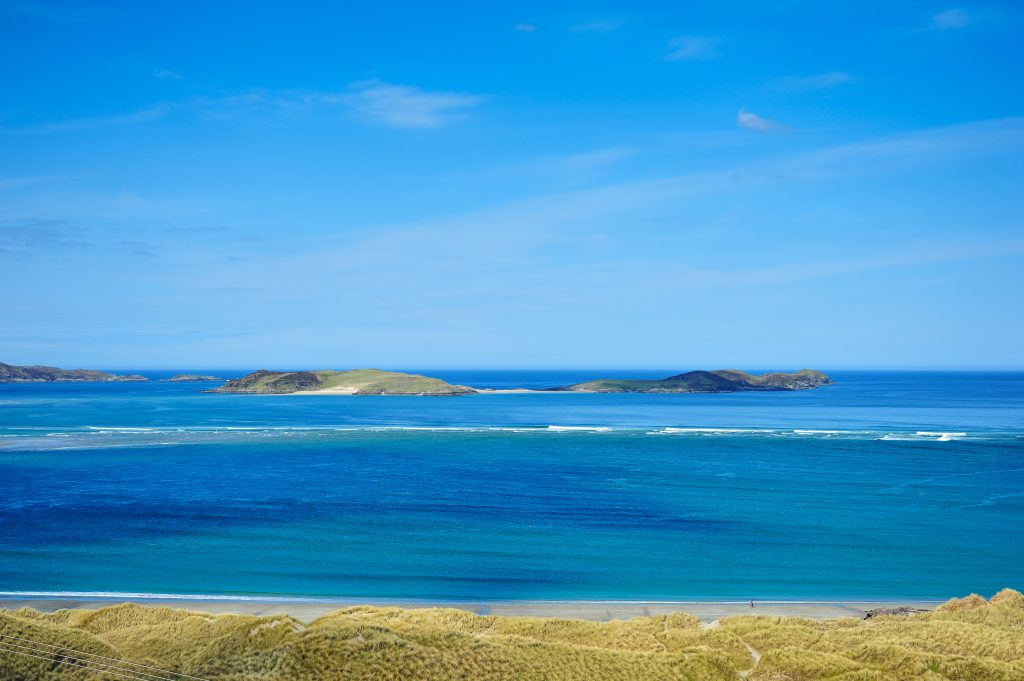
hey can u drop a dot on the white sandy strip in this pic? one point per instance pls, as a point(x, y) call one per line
point(307, 609)
point(479, 391)
point(328, 391)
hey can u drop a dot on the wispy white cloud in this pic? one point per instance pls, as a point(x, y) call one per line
point(512, 251)
point(167, 74)
point(586, 240)
point(821, 81)
point(596, 26)
point(523, 27)
point(951, 19)
point(77, 124)
point(396, 105)
point(552, 169)
point(7, 183)
point(521, 221)
point(407, 106)
point(919, 254)
point(751, 121)
point(599, 158)
point(692, 47)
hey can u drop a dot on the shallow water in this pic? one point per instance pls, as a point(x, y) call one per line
point(885, 485)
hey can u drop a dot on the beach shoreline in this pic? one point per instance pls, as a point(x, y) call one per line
point(308, 609)
point(352, 392)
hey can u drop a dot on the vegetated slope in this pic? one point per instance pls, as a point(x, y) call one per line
point(966, 640)
point(356, 382)
point(721, 381)
point(41, 374)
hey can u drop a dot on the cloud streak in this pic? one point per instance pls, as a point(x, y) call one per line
point(596, 26)
point(489, 273)
point(167, 74)
point(692, 48)
point(822, 81)
point(145, 115)
point(406, 106)
point(751, 121)
point(402, 106)
point(950, 20)
point(506, 236)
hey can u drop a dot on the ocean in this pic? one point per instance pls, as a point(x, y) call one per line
point(885, 485)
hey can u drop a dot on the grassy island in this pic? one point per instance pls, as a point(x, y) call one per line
point(356, 382)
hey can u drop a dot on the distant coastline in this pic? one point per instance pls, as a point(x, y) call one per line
point(47, 374)
point(378, 382)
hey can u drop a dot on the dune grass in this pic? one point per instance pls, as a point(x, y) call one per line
point(967, 639)
point(356, 381)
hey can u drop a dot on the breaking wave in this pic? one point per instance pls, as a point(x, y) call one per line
point(101, 437)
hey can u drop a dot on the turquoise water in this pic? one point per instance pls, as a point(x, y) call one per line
point(886, 485)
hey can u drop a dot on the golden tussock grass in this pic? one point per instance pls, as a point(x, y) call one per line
point(968, 639)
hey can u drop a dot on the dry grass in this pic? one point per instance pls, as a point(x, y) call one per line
point(967, 639)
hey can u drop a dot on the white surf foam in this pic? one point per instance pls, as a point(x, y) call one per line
point(713, 431)
point(940, 436)
point(15, 438)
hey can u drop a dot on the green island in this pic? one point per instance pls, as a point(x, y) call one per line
point(721, 381)
point(191, 378)
point(44, 374)
point(355, 382)
point(967, 639)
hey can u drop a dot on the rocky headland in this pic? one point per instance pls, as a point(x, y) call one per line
point(43, 374)
point(720, 381)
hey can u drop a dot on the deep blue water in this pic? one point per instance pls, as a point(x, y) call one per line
point(884, 485)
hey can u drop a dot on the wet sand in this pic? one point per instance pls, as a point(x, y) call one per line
point(307, 610)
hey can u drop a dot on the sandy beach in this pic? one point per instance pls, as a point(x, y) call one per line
point(598, 611)
point(479, 391)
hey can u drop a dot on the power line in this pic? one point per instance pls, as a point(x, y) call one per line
point(146, 673)
point(53, 660)
point(35, 646)
point(103, 657)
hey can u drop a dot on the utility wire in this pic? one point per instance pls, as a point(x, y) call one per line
point(40, 647)
point(53, 660)
point(146, 673)
point(75, 656)
point(103, 657)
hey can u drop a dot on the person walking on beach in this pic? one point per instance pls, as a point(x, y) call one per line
point(751, 604)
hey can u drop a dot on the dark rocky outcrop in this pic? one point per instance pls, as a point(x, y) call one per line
point(720, 381)
point(901, 611)
point(272, 382)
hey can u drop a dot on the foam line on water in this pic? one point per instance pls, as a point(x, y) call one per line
point(98, 437)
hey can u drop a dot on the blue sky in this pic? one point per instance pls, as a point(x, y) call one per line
point(680, 185)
